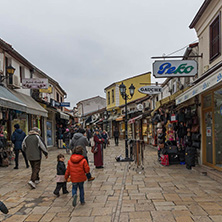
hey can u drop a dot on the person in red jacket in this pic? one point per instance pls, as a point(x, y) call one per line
point(77, 169)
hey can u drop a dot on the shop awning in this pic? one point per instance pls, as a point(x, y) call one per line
point(131, 121)
point(99, 121)
point(10, 101)
point(111, 118)
point(63, 115)
point(32, 107)
point(120, 118)
point(205, 84)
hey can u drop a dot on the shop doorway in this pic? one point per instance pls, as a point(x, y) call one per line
point(208, 137)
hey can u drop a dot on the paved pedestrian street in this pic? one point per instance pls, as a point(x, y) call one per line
point(119, 193)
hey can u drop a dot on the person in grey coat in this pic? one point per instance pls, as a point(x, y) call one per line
point(80, 140)
point(33, 146)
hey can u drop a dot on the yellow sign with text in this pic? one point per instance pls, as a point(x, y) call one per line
point(49, 90)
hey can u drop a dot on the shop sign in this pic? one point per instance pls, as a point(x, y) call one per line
point(173, 118)
point(49, 90)
point(54, 103)
point(35, 83)
point(174, 68)
point(65, 104)
point(200, 87)
point(150, 90)
point(140, 107)
point(208, 131)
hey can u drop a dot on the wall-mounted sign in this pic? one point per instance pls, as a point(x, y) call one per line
point(140, 107)
point(35, 83)
point(150, 90)
point(174, 68)
point(54, 103)
point(49, 90)
point(65, 104)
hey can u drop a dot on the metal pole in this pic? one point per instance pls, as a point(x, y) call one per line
point(126, 129)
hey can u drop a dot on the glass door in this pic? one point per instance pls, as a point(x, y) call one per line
point(208, 135)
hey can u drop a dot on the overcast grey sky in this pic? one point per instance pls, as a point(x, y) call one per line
point(86, 45)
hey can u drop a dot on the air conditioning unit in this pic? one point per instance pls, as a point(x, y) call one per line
point(15, 83)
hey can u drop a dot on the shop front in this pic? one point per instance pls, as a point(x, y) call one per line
point(209, 92)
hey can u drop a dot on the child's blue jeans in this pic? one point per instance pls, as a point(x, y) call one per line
point(81, 190)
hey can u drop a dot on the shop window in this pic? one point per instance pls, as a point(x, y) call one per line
point(218, 126)
point(113, 100)
point(108, 98)
point(215, 38)
point(207, 100)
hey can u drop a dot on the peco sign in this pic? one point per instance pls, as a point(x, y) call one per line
point(174, 68)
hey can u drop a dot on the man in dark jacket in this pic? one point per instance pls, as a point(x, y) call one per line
point(116, 136)
point(80, 140)
point(17, 138)
point(33, 146)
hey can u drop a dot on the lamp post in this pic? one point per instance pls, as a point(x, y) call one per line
point(10, 71)
point(124, 95)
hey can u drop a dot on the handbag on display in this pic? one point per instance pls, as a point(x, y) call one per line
point(195, 129)
point(196, 144)
point(159, 125)
point(161, 146)
point(172, 149)
point(164, 160)
point(196, 136)
point(159, 131)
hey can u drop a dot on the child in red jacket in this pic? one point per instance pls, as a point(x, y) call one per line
point(77, 169)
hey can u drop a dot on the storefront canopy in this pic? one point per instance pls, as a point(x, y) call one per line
point(32, 107)
point(120, 118)
point(63, 115)
point(10, 101)
point(131, 121)
point(202, 86)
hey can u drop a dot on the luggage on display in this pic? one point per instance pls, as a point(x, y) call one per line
point(190, 157)
point(173, 159)
point(172, 149)
point(164, 160)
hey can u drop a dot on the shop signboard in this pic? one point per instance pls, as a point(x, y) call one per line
point(54, 103)
point(48, 90)
point(151, 90)
point(200, 87)
point(174, 68)
point(33, 83)
point(65, 104)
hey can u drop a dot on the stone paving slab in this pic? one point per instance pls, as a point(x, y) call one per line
point(120, 192)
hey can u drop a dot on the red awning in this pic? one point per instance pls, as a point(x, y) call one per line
point(131, 121)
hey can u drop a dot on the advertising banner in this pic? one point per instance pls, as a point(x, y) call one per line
point(34, 83)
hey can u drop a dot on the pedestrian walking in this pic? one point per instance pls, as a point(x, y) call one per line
point(116, 136)
point(80, 140)
point(77, 169)
point(66, 140)
point(60, 136)
point(105, 137)
point(98, 143)
point(17, 137)
point(60, 177)
point(33, 146)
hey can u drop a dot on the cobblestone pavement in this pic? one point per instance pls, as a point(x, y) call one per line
point(119, 193)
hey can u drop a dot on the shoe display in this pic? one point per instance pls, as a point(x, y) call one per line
point(74, 200)
point(91, 179)
point(31, 184)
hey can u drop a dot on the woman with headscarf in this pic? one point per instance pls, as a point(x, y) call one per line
point(98, 156)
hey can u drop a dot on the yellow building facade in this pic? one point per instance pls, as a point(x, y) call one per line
point(113, 97)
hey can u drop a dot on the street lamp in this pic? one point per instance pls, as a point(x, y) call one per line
point(10, 71)
point(124, 95)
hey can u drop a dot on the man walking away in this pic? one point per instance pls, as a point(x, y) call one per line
point(17, 137)
point(116, 136)
point(33, 146)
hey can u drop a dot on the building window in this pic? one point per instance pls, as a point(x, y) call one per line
point(215, 38)
point(113, 100)
point(108, 98)
point(57, 97)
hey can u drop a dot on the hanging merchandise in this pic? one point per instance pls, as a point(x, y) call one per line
point(170, 133)
point(173, 118)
